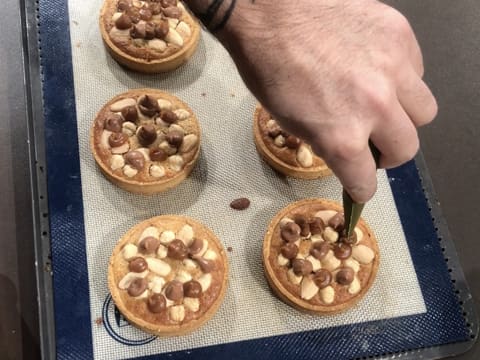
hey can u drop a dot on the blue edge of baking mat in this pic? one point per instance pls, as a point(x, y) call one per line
point(443, 322)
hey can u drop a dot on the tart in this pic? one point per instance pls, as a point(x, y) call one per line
point(168, 275)
point(149, 36)
point(145, 140)
point(284, 152)
point(310, 263)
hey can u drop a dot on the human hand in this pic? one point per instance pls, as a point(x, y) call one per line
point(335, 73)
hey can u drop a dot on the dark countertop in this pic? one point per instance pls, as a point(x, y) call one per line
point(448, 33)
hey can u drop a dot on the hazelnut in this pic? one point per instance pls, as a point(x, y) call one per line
point(149, 245)
point(130, 113)
point(345, 276)
point(320, 249)
point(161, 30)
point(337, 222)
point(134, 14)
point(174, 290)
point(117, 139)
point(137, 287)
point(123, 22)
point(291, 232)
point(192, 289)
point(148, 105)
point(167, 3)
point(289, 251)
point(206, 265)
point(342, 251)
point(156, 303)
point(123, 5)
point(177, 250)
point(301, 267)
point(172, 12)
point(168, 116)
point(322, 278)
point(145, 14)
point(113, 123)
point(195, 247)
point(302, 221)
point(138, 31)
point(135, 159)
point(158, 155)
point(138, 265)
point(292, 142)
point(317, 226)
point(149, 30)
point(175, 138)
point(146, 134)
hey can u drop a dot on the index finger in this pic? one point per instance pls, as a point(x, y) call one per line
point(356, 170)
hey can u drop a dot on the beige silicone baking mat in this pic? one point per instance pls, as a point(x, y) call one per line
point(228, 168)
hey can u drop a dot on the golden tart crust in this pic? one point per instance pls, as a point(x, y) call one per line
point(170, 165)
point(310, 291)
point(184, 313)
point(296, 161)
point(145, 53)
